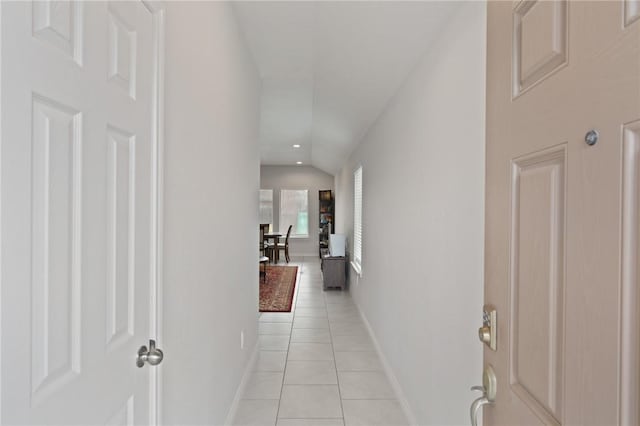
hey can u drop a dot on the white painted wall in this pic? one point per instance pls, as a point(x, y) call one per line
point(297, 177)
point(210, 212)
point(423, 188)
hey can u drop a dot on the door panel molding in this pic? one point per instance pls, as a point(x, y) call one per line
point(630, 293)
point(56, 218)
point(122, 53)
point(124, 415)
point(631, 12)
point(121, 222)
point(537, 281)
point(60, 24)
point(539, 42)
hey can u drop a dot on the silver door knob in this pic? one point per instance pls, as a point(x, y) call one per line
point(152, 355)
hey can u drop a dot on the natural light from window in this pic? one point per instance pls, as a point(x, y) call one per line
point(294, 211)
point(266, 206)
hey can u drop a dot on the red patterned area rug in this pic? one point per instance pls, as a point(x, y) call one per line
point(276, 291)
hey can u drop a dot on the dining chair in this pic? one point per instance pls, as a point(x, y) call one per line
point(285, 246)
point(263, 263)
point(264, 246)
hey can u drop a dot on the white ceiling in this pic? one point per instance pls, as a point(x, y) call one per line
point(329, 68)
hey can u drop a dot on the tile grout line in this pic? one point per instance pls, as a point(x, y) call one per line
point(335, 364)
point(286, 359)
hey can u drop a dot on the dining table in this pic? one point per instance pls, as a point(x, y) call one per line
point(274, 236)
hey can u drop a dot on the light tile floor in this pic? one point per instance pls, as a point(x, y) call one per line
point(317, 365)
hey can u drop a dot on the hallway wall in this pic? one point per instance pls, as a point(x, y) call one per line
point(297, 177)
point(423, 214)
point(211, 182)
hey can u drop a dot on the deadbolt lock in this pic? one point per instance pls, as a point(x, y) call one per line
point(489, 330)
point(485, 335)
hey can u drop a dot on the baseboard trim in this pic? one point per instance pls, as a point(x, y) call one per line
point(395, 384)
point(233, 409)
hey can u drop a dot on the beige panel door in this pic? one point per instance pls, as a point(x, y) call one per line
point(562, 215)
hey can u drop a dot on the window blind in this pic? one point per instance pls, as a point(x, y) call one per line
point(357, 218)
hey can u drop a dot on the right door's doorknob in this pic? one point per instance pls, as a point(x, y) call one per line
point(488, 389)
point(475, 407)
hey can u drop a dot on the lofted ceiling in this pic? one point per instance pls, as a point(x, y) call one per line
point(328, 69)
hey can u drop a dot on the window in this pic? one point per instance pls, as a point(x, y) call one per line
point(294, 211)
point(357, 220)
point(266, 206)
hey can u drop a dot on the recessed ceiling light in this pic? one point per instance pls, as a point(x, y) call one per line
point(298, 162)
point(296, 146)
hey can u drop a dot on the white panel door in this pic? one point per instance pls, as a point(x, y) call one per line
point(562, 237)
point(77, 116)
